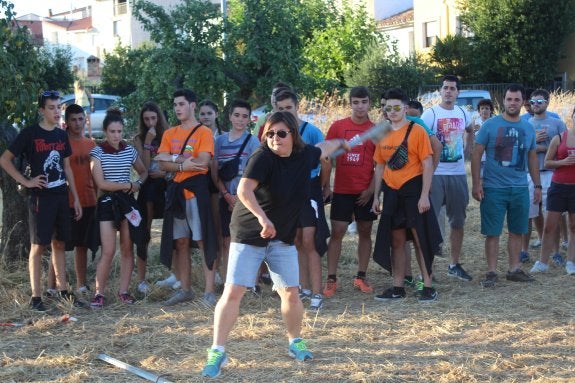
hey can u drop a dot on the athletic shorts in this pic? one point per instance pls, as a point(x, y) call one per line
point(344, 208)
point(497, 202)
point(453, 192)
point(561, 198)
point(81, 230)
point(309, 215)
point(49, 218)
point(244, 262)
point(192, 222)
point(225, 217)
point(545, 177)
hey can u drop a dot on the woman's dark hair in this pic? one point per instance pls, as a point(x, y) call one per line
point(290, 121)
point(485, 102)
point(162, 126)
point(211, 104)
point(112, 115)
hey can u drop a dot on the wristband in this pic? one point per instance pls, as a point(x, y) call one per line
point(538, 187)
point(181, 167)
point(149, 147)
point(224, 193)
point(175, 157)
point(139, 182)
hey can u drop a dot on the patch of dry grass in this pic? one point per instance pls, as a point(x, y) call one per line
point(510, 333)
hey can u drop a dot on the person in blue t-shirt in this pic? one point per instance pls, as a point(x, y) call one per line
point(509, 144)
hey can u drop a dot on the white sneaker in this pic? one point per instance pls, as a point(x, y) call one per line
point(570, 267)
point(352, 228)
point(316, 301)
point(539, 267)
point(176, 285)
point(218, 281)
point(168, 281)
point(564, 245)
point(144, 287)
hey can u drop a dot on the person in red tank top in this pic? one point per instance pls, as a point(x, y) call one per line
point(560, 197)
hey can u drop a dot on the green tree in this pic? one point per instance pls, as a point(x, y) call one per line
point(263, 45)
point(455, 54)
point(56, 62)
point(340, 46)
point(384, 68)
point(120, 73)
point(520, 40)
point(21, 73)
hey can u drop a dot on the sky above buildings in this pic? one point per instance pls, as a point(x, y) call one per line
point(41, 7)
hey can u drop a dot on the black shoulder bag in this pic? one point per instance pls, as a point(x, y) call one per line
point(229, 169)
point(399, 158)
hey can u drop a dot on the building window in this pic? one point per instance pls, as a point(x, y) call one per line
point(120, 7)
point(54, 39)
point(116, 26)
point(430, 32)
point(462, 29)
point(411, 38)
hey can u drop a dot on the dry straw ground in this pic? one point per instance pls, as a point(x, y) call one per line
point(510, 333)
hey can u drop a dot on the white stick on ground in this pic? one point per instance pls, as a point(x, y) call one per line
point(134, 370)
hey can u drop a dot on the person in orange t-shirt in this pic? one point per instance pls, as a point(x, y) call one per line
point(406, 205)
point(75, 121)
point(186, 150)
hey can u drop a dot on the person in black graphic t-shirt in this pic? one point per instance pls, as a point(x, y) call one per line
point(47, 149)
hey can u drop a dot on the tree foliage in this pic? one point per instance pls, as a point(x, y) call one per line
point(21, 72)
point(384, 68)
point(455, 54)
point(520, 40)
point(340, 46)
point(55, 62)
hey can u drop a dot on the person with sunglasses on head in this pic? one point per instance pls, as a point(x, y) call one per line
point(546, 128)
point(47, 149)
point(403, 171)
point(227, 148)
point(352, 192)
point(509, 144)
point(453, 127)
point(271, 194)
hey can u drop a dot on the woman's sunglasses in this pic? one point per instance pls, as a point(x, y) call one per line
point(280, 133)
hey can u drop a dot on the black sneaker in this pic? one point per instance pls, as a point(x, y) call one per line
point(391, 294)
point(458, 272)
point(36, 304)
point(427, 294)
point(490, 280)
point(519, 276)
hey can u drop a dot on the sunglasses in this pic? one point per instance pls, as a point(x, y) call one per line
point(51, 93)
point(280, 133)
point(538, 102)
point(395, 108)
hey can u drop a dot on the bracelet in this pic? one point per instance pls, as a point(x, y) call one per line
point(538, 187)
point(181, 167)
point(148, 147)
point(139, 182)
point(224, 193)
point(175, 157)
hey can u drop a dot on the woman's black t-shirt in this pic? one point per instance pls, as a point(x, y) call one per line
point(284, 187)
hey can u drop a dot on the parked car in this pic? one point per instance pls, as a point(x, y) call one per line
point(470, 98)
point(101, 103)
